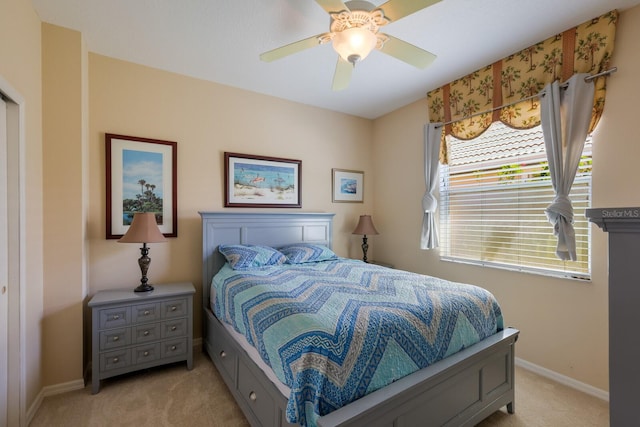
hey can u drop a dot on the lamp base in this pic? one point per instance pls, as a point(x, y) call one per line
point(144, 262)
point(143, 288)
point(365, 247)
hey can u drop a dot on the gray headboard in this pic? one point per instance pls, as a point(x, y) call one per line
point(271, 229)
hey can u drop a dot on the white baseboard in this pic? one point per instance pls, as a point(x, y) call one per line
point(563, 379)
point(52, 390)
point(31, 412)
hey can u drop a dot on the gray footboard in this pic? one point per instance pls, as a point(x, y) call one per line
point(460, 390)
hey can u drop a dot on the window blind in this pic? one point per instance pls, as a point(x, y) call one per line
point(493, 195)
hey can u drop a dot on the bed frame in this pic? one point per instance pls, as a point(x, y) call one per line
point(460, 390)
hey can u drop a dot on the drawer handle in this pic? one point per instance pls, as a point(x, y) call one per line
point(116, 360)
point(116, 338)
point(145, 333)
point(253, 396)
point(146, 312)
point(173, 348)
point(146, 353)
point(173, 328)
point(174, 308)
point(116, 316)
point(223, 354)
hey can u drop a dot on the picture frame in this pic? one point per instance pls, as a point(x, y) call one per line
point(141, 177)
point(347, 186)
point(252, 181)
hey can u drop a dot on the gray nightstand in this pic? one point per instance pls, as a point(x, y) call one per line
point(138, 330)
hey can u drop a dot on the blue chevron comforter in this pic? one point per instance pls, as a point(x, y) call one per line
point(335, 331)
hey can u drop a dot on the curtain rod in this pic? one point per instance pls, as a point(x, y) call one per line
point(586, 79)
point(604, 73)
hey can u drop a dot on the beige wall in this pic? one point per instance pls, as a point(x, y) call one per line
point(563, 323)
point(207, 119)
point(20, 66)
point(64, 69)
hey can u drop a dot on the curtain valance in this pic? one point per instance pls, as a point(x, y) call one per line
point(497, 89)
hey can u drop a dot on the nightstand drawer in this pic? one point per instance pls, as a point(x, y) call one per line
point(174, 328)
point(115, 338)
point(145, 353)
point(174, 348)
point(146, 333)
point(174, 308)
point(145, 313)
point(115, 360)
point(115, 317)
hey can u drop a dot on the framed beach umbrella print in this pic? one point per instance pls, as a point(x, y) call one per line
point(260, 181)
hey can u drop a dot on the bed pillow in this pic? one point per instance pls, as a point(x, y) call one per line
point(300, 253)
point(245, 257)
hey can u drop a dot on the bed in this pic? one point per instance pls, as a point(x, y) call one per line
point(459, 390)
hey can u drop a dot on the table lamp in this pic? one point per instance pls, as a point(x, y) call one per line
point(144, 229)
point(364, 227)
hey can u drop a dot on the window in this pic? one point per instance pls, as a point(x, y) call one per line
point(493, 195)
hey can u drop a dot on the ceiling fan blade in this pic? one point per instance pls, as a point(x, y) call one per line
point(332, 6)
point(342, 75)
point(407, 52)
point(397, 9)
point(291, 48)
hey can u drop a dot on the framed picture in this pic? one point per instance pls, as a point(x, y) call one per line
point(348, 186)
point(259, 181)
point(141, 177)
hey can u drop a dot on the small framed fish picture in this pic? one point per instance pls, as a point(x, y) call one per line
point(259, 181)
point(348, 186)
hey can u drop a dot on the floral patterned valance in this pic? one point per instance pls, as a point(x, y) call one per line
point(586, 48)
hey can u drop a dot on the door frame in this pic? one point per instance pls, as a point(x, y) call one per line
point(16, 216)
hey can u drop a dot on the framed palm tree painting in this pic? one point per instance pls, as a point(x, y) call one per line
point(141, 177)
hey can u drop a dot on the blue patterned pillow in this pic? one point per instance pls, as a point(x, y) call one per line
point(245, 257)
point(299, 253)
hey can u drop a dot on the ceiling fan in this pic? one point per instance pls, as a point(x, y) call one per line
point(354, 32)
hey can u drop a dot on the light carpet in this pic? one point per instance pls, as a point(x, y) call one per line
point(172, 396)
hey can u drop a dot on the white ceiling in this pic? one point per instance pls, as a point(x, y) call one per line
point(220, 41)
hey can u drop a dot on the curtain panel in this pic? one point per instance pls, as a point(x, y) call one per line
point(495, 90)
point(432, 138)
point(565, 116)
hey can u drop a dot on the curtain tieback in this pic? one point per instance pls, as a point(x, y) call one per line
point(429, 203)
point(561, 207)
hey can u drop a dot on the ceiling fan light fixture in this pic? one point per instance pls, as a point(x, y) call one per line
point(354, 44)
